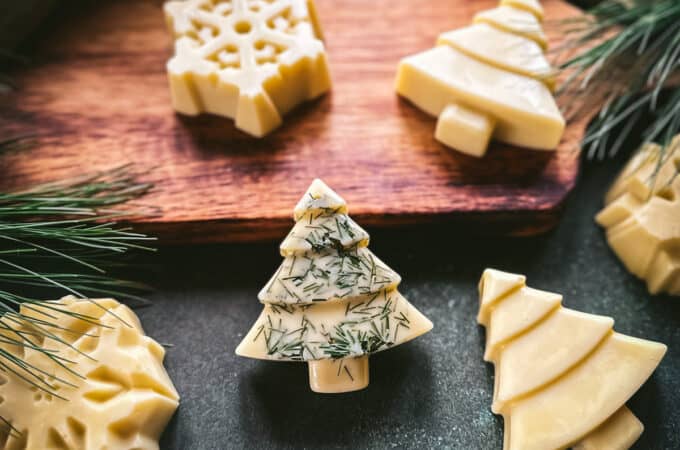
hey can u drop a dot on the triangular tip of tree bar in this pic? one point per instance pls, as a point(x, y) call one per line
point(319, 197)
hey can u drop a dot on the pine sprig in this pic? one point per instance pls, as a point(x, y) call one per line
point(14, 142)
point(70, 225)
point(623, 54)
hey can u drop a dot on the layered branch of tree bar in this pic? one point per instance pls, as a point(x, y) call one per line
point(562, 377)
point(332, 302)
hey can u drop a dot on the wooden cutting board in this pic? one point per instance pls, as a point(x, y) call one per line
point(97, 96)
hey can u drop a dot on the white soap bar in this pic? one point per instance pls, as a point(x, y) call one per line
point(649, 171)
point(513, 20)
point(501, 49)
point(124, 400)
point(524, 109)
point(249, 60)
point(490, 79)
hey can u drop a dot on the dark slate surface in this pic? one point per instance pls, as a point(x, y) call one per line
point(434, 392)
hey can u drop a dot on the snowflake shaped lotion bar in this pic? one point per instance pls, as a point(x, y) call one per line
point(489, 80)
point(112, 393)
point(642, 217)
point(250, 60)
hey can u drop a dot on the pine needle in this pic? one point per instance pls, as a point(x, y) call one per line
point(623, 54)
point(15, 142)
point(69, 225)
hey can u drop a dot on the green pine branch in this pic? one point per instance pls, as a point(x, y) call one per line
point(624, 55)
point(62, 238)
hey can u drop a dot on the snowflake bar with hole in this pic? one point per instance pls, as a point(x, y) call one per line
point(250, 60)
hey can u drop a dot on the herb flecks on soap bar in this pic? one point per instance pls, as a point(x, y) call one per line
point(332, 302)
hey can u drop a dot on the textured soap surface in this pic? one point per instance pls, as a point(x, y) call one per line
point(642, 217)
point(124, 400)
point(559, 374)
point(250, 60)
point(331, 298)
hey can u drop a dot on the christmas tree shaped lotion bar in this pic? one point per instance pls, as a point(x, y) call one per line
point(490, 79)
point(332, 302)
point(251, 60)
point(562, 377)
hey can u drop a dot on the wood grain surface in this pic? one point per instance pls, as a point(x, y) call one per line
point(97, 97)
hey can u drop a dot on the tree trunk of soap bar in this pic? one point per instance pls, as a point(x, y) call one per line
point(465, 129)
point(618, 432)
point(335, 376)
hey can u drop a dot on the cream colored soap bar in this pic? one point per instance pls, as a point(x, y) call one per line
point(561, 377)
point(512, 52)
point(523, 108)
point(332, 303)
point(514, 20)
point(249, 60)
point(124, 400)
point(488, 80)
point(642, 217)
point(465, 129)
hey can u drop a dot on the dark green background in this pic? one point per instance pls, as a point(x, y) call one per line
point(433, 392)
